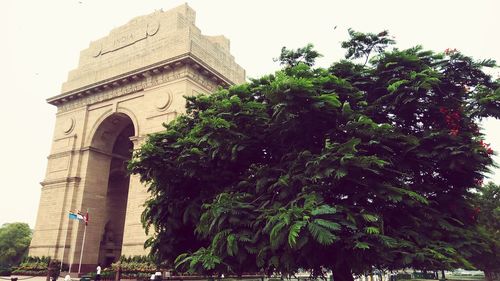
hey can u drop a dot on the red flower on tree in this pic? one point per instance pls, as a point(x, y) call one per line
point(478, 182)
point(450, 51)
point(452, 119)
point(475, 213)
point(486, 146)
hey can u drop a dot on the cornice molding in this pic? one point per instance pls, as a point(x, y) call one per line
point(110, 155)
point(139, 75)
point(64, 180)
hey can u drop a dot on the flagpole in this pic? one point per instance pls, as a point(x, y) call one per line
point(70, 261)
point(64, 245)
point(83, 244)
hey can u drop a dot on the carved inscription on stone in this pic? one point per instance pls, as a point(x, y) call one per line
point(153, 28)
point(125, 39)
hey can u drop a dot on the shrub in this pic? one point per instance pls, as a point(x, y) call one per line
point(34, 266)
point(135, 264)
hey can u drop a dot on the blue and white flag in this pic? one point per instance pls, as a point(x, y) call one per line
point(72, 216)
point(79, 216)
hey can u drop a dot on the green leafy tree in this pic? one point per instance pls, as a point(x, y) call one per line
point(350, 168)
point(362, 44)
point(487, 214)
point(15, 239)
point(306, 55)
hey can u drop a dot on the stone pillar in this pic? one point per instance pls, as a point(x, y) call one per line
point(92, 196)
point(134, 234)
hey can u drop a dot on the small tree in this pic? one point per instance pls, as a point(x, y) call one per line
point(351, 168)
point(15, 239)
point(487, 214)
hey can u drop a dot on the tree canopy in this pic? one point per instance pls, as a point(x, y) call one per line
point(487, 214)
point(15, 239)
point(371, 163)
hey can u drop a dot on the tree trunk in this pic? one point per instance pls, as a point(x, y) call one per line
point(342, 272)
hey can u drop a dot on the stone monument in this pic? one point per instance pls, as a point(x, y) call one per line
point(125, 87)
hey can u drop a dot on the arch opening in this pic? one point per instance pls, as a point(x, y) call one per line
point(111, 148)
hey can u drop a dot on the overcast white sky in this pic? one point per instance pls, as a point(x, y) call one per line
point(41, 41)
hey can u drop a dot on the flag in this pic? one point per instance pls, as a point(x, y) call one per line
point(77, 215)
point(87, 218)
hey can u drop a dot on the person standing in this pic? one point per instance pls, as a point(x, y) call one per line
point(98, 273)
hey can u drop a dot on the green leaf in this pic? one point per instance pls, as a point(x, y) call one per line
point(346, 109)
point(232, 245)
point(408, 193)
point(321, 234)
point(276, 234)
point(372, 230)
point(182, 259)
point(324, 210)
point(284, 180)
point(294, 233)
point(328, 224)
point(340, 173)
point(331, 99)
point(416, 196)
point(349, 146)
point(394, 86)
point(390, 63)
point(362, 246)
point(369, 217)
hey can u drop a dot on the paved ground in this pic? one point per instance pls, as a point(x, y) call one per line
point(27, 278)
point(36, 278)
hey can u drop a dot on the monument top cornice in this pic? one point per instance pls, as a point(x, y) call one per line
point(148, 45)
point(140, 74)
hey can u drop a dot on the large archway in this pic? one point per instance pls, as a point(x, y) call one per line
point(112, 148)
